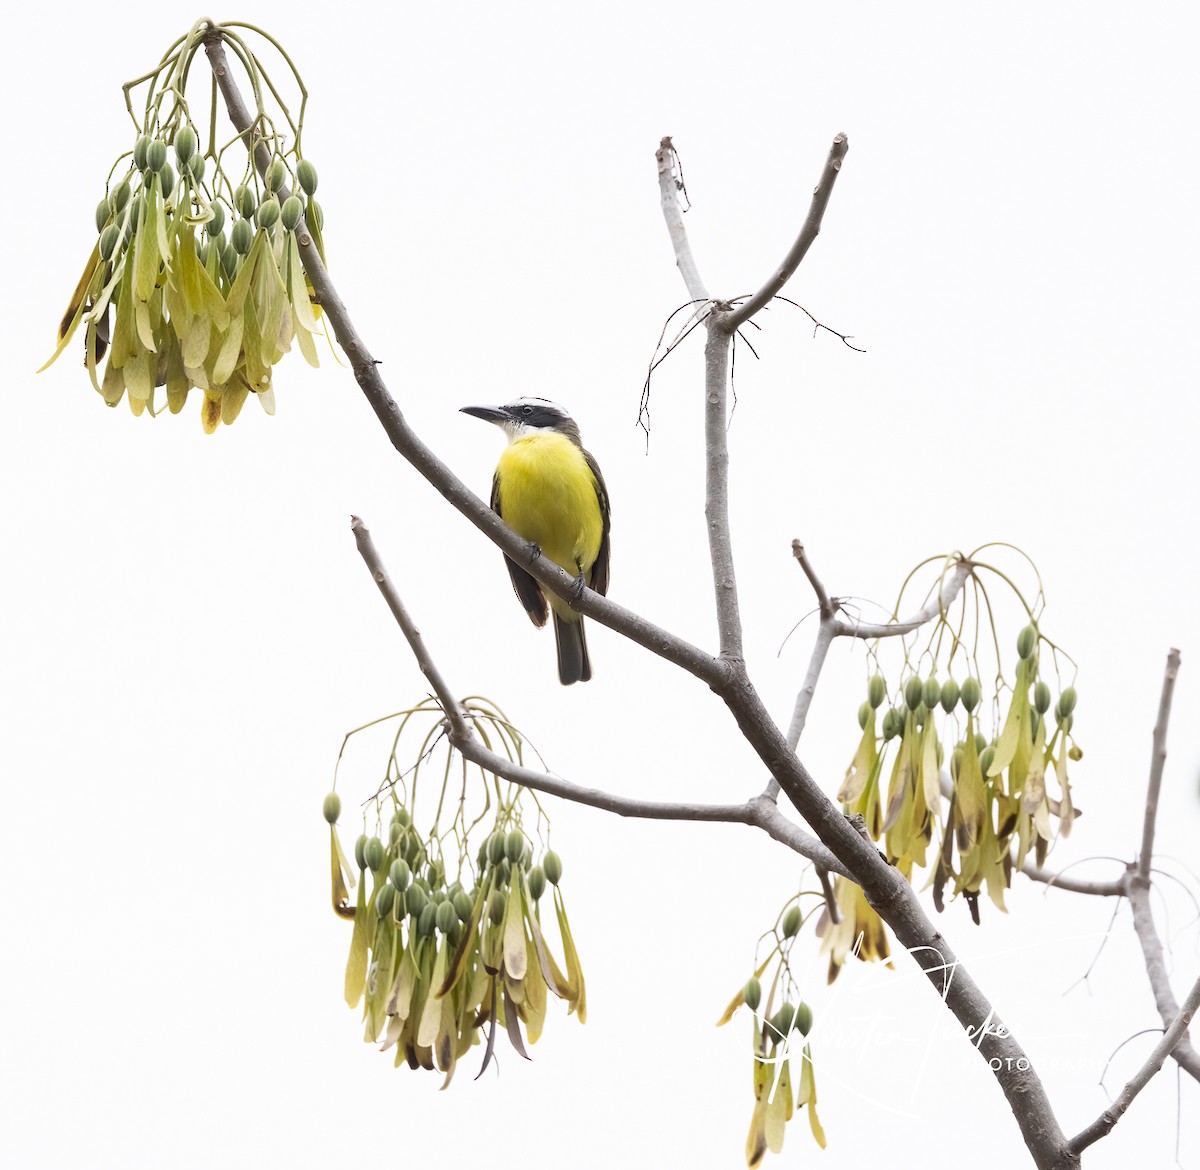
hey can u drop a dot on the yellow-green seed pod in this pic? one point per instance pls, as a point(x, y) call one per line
point(306, 175)
point(374, 854)
point(1041, 697)
point(416, 899)
point(229, 260)
point(537, 882)
point(552, 864)
point(496, 848)
point(384, 900)
point(102, 213)
point(956, 759)
point(267, 214)
point(436, 875)
point(217, 223)
point(273, 179)
point(446, 917)
point(427, 920)
point(244, 201)
point(314, 213)
point(513, 844)
point(781, 1023)
point(360, 855)
point(166, 178)
point(403, 817)
point(1076, 752)
point(185, 144)
point(864, 713)
point(980, 742)
point(1066, 702)
point(195, 167)
point(1027, 641)
point(140, 149)
point(914, 693)
point(332, 808)
point(971, 693)
point(949, 695)
point(396, 835)
point(804, 1019)
point(1035, 721)
point(504, 871)
point(399, 874)
point(876, 691)
point(156, 155)
point(108, 241)
point(986, 757)
point(463, 904)
point(119, 197)
point(891, 726)
point(496, 904)
point(791, 922)
point(752, 993)
point(932, 692)
point(241, 236)
point(291, 213)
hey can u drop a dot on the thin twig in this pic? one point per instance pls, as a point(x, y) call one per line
point(1158, 759)
point(1164, 1048)
point(808, 233)
point(670, 183)
point(939, 605)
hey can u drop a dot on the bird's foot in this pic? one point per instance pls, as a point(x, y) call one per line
point(577, 590)
point(535, 551)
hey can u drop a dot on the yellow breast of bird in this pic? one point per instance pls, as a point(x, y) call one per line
point(548, 495)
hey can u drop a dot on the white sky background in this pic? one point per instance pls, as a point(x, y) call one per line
point(188, 631)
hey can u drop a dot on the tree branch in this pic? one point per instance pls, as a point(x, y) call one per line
point(733, 321)
point(1158, 759)
point(940, 604)
point(670, 183)
point(1172, 1036)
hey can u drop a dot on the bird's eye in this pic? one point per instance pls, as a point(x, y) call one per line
point(527, 410)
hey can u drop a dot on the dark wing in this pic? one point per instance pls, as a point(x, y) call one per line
point(599, 580)
point(528, 591)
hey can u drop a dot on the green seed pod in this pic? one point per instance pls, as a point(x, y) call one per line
point(986, 757)
point(496, 904)
point(1066, 702)
point(791, 922)
point(1027, 641)
point(552, 864)
point(446, 917)
point(864, 713)
point(427, 920)
point(504, 871)
point(980, 742)
point(876, 690)
point(436, 875)
point(970, 694)
point(241, 236)
point(400, 875)
point(496, 848)
point(306, 175)
point(360, 855)
point(537, 882)
point(513, 844)
point(414, 854)
point(332, 808)
point(156, 155)
point(949, 695)
point(273, 179)
point(914, 693)
point(102, 214)
point(1068, 723)
point(403, 817)
point(268, 212)
point(140, 150)
point(417, 900)
point(119, 197)
point(437, 895)
point(1035, 723)
point(195, 167)
point(1041, 697)
point(395, 835)
point(217, 223)
point(932, 693)
point(463, 905)
point(185, 144)
point(229, 259)
point(108, 241)
point(292, 211)
point(752, 993)
point(166, 179)
point(244, 201)
point(314, 213)
point(384, 900)
point(374, 854)
point(891, 727)
point(956, 759)
point(781, 1023)
point(804, 1019)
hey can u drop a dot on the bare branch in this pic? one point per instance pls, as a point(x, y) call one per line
point(1158, 759)
point(941, 603)
point(670, 184)
point(1164, 1048)
point(826, 606)
point(1059, 881)
point(812, 226)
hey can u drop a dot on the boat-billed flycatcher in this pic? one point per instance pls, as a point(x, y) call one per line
point(549, 490)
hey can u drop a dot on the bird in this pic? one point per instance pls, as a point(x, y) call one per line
point(549, 490)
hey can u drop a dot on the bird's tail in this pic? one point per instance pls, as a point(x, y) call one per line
point(573, 663)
